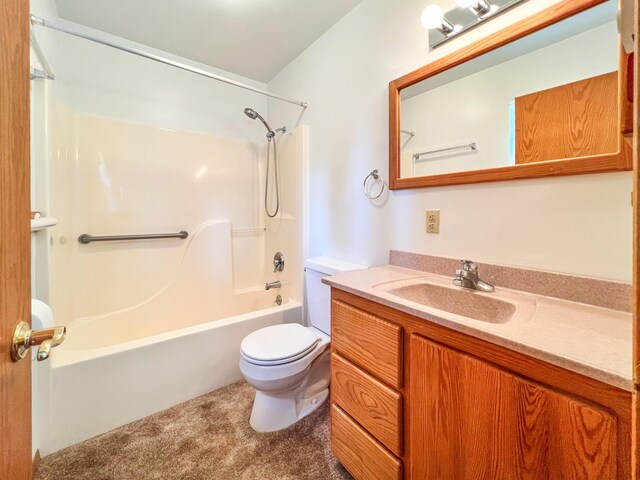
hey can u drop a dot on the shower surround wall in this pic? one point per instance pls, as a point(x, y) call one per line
point(111, 177)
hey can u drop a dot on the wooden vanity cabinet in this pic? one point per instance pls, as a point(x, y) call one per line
point(414, 400)
point(473, 420)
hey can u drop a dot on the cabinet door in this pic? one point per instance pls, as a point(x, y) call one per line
point(471, 420)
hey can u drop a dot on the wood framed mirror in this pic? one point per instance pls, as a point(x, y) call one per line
point(546, 96)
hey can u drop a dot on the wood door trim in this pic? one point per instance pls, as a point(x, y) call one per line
point(619, 160)
point(15, 251)
point(635, 200)
point(36, 462)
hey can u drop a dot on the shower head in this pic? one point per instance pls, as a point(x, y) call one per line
point(252, 114)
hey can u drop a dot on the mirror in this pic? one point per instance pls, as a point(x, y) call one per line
point(546, 96)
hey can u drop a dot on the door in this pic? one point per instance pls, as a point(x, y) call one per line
point(636, 252)
point(15, 293)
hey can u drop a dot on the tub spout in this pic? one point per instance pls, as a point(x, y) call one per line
point(270, 285)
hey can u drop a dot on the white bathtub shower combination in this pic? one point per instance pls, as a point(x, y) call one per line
point(125, 359)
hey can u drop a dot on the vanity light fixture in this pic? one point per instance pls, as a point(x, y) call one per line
point(479, 7)
point(466, 15)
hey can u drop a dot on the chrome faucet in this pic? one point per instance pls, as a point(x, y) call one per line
point(467, 277)
point(270, 285)
point(278, 262)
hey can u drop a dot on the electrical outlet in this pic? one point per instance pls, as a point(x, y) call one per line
point(433, 221)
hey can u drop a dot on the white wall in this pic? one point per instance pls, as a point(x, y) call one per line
point(476, 107)
point(580, 225)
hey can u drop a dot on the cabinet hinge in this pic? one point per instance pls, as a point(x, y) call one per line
point(636, 375)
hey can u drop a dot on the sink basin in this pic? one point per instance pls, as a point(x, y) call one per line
point(467, 303)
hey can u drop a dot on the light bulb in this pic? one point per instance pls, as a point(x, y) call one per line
point(432, 16)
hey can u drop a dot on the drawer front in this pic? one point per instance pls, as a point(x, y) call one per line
point(368, 341)
point(359, 452)
point(371, 403)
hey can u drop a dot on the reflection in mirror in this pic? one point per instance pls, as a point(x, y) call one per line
point(548, 96)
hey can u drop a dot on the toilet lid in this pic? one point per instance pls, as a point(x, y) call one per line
point(278, 342)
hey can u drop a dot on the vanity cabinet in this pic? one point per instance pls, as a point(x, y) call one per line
point(473, 420)
point(412, 399)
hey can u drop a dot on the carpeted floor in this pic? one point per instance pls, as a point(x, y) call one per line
point(205, 438)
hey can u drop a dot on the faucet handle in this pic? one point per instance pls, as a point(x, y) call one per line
point(278, 262)
point(468, 266)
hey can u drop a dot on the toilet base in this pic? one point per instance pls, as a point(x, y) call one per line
point(272, 413)
point(276, 410)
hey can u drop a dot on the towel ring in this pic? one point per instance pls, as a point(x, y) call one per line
point(375, 175)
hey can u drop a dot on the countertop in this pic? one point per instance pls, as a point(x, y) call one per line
point(590, 340)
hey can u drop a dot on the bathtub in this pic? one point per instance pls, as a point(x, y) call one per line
point(99, 382)
point(182, 342)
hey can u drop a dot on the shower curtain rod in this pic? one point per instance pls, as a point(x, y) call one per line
point(152, 56)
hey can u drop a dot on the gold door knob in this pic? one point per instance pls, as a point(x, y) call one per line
point(24, 338)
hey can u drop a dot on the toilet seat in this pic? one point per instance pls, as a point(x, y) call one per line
point(267, 363)
point(278, 344)
point(287, 368)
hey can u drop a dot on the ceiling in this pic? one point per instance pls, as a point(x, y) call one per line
point(253, 38)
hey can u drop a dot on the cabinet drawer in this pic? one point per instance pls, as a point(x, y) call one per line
point(375, 406)
point(368, 341)
point(359, 452)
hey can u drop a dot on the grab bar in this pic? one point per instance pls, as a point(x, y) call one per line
point(470, 146)
point(86, 238)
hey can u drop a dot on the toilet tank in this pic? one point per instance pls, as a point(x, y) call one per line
point(319, 294)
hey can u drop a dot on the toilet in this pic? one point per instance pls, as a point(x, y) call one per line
point(288, 364)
